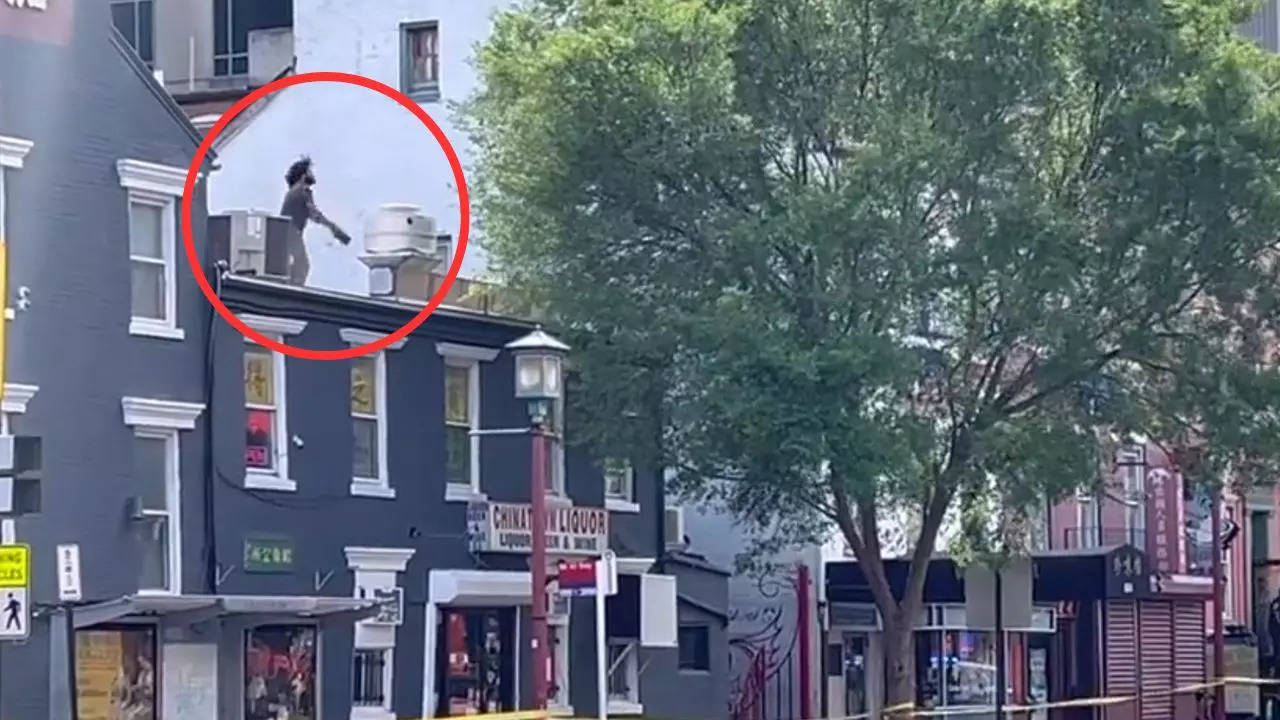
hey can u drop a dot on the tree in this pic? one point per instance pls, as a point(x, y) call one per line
point(848, 258)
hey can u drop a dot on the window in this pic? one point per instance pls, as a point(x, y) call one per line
point(133, 19)
point(624, 676)
point(695, 649)
point(152, 209)
point(619, 486)
point(111, 657)
point(155, 463)
point(555, 454)
point(270, 693)
point(420, 61)
point(370, 475)
point(369, 678)
point(1133, 475)
point(267, 438)
point(459, 420)
point(230, 38)
point(558, 639)
point(462, 418)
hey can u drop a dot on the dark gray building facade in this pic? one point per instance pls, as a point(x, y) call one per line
point(262, 534)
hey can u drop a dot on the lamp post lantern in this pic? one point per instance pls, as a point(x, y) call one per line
point(539, 361)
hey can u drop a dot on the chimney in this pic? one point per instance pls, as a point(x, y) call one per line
point(403, 252)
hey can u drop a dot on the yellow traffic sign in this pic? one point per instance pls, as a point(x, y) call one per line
point(15, 566)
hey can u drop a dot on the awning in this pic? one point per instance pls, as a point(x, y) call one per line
point(190, 609)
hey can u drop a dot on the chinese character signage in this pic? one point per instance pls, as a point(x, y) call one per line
point(1162, 537)
point(507, 528)
point(268, 554)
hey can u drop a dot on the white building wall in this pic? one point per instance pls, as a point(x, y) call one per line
point(367, 149)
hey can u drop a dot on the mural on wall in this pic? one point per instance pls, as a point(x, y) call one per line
point(763, 640)
point(280, 667)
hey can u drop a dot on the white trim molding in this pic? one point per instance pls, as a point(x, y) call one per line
point(619, 505)
point(153, 413)
point(13, 151)
point(378, 559)
point(268, 325)
point(360, 336)
point(16, 397)
point(466, 352)
point(149, 177)
point(463, 493)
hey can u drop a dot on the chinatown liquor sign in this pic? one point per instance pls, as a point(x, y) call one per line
point(508, 528)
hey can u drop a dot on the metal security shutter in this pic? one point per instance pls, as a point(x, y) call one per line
point(1188, 643)
point(1121, 657)
point(1156, 632)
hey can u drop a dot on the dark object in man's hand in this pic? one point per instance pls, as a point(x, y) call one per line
point(342, 237)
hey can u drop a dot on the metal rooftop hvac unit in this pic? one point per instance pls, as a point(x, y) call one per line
point(251, 242)
point(402, 251)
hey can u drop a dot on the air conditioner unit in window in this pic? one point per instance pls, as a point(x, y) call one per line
point(674, 527)
point(251, 242)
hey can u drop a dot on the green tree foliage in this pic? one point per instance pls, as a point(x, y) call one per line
point(841, 258)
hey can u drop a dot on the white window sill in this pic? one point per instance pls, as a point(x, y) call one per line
point(268, 481)
point(366, 712)
point(625, 707)
point(148, 327)
point(372, 489)
point(618, 505)
point(463, 493)
point(558, 500)
point(693, 671)
point(560, 710)
point(153, 592)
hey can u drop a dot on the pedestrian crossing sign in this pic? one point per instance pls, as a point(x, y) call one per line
point(15, 577)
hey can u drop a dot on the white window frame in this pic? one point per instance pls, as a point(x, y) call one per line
point(469, 357)
point(382, 711)
point(1132, 464)
point(626, 502)
point(629, 664)
point(159, 186)
point(380, 486)
point(276, 329)
point(164, 420)
point(560, 704)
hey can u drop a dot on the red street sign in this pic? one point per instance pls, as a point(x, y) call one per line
point(578, 578)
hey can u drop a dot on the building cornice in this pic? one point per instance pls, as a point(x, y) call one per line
point(269, 325)
point(153, 413)
point(16, 397)
point(378, 559)
point(13, 150)
point(151, 177)
point(360, 336)
point(466, 352)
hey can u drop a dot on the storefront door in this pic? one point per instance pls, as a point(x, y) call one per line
point(855, 673)
point(476, 650)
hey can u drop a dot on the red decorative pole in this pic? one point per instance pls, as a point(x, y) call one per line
point(538, 571)
point(802, 627)
point(1219, 641)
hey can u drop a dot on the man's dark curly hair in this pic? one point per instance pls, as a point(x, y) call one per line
point(297, 170)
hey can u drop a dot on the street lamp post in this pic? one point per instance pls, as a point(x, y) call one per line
point(539, 361)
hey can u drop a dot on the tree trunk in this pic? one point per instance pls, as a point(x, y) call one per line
point(899, 661)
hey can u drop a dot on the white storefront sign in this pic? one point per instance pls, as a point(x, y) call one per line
point(508, 528)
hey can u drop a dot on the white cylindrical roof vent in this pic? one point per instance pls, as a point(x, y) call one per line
point(397, 227)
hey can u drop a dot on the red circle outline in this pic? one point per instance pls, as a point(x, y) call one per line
point(464, 211)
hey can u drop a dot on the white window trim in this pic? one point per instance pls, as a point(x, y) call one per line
point(278, 479)
point(625, 503)
point(379, 487)
point(13, 151)
point(1132, 461)
point(378, 559)
point(14, 402)
point(469, 357)
point(158, 186)
point(173, 505)
point(631, 666)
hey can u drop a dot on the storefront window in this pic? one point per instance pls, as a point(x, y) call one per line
point(116, 673)
point(280, 673)
point(476, 667)
point(929, 664)
point(971, 667)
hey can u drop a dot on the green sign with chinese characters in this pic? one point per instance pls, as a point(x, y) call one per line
point(268, 554)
